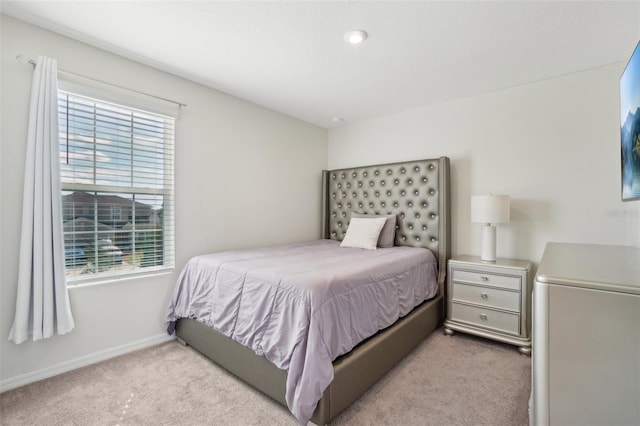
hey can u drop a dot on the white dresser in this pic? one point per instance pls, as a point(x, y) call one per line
point(586, 336)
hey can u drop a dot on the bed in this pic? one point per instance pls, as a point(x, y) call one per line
point(303, 282)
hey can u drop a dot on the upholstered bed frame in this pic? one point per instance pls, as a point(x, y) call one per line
point(418, 193)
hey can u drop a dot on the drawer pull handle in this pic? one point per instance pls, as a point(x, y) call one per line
point(484, 295)
point(483, 278)
point(483, 316)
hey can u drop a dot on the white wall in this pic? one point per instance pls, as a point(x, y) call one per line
point(553, 146)
point(245, 176)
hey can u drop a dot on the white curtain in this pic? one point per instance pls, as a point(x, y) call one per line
point(42, 302)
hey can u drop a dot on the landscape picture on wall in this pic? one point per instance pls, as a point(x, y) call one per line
point(630, 127)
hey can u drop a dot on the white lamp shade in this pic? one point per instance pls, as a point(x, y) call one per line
point(490, 208)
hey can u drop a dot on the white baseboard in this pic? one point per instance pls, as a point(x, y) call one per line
point(54, 370)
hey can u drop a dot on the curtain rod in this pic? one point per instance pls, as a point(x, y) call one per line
point(24, 60)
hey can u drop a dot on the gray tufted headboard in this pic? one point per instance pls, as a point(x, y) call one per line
point(417, 192)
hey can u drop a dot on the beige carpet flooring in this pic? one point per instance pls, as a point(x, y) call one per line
point(459, 380)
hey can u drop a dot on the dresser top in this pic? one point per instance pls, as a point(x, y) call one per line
point(602, 267)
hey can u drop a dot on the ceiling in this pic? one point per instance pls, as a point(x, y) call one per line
point(291, 56)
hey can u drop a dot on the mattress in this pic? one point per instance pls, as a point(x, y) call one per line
point(303, 305)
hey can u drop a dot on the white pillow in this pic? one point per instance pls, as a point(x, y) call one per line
point(363, 233)
point(388, 233)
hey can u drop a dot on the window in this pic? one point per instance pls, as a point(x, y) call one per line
point(117, 188)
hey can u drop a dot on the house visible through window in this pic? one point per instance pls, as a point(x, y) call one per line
point(117, 188)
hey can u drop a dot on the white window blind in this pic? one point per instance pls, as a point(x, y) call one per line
point(117, 171)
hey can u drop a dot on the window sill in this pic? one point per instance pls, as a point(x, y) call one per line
point(90, 282)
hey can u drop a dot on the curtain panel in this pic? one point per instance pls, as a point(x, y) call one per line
point(42, 302)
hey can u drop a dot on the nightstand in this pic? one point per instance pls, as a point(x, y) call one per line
point(490, 299)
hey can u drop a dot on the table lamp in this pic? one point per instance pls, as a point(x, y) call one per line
point(489, 209)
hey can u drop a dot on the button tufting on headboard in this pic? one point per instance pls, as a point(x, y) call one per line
point(417, 192)
point(409, 198)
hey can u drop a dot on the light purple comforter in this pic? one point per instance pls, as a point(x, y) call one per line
point(303, 305)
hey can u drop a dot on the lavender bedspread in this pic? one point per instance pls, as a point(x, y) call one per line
point(303, 305)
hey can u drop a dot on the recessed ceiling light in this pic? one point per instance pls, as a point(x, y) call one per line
point(356, 36)
point(337, 120)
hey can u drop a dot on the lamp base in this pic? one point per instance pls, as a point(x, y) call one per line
point(488, 253)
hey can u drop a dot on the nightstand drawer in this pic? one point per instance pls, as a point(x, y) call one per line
point(491, 297)
point(486, 318)
point(504, 281)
